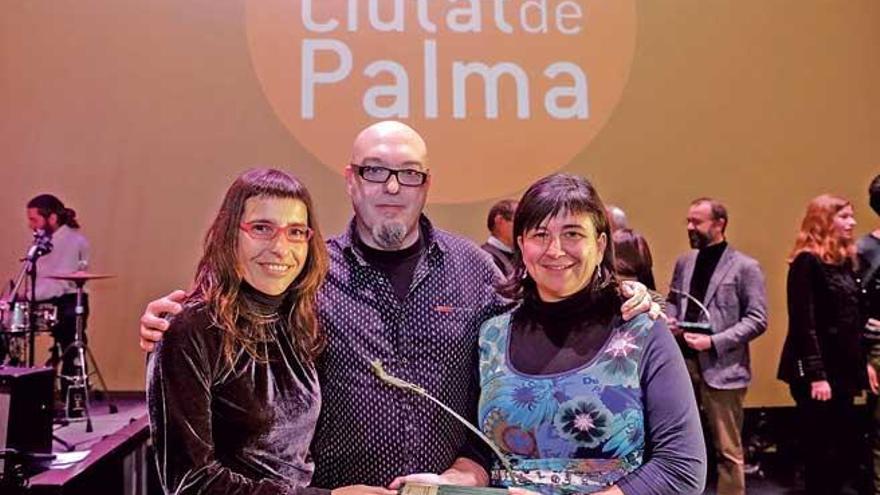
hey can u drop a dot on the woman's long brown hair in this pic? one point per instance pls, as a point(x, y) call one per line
point(817, 233)
point(218, 279)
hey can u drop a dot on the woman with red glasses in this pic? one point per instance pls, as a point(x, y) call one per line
point(232, 389)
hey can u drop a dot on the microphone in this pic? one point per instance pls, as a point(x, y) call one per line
point(41, 246)
point(704, 328)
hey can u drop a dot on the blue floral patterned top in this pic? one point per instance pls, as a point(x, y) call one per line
point(578, 431)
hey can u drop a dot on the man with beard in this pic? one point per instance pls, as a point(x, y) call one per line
point(722, 287)
point(70, 252)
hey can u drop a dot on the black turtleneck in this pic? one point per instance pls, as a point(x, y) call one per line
point(399, 266)
point(553, 337)
point(264, 304)
point(704, 267)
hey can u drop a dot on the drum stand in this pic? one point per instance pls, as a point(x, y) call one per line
point(78, 386)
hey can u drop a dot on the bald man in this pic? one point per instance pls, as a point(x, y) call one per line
point(409, 294)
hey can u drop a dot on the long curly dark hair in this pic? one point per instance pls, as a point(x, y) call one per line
point(549, 196)
point(218, 278)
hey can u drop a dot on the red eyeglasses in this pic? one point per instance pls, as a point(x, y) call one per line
point(265, 231)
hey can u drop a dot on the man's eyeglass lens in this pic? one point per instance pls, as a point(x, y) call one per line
point(405, 177)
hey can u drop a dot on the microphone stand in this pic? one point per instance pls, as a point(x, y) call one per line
point(41, 246)
point(32, 320)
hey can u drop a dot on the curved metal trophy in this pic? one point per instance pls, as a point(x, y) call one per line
point(705, 327)
point(422, 489)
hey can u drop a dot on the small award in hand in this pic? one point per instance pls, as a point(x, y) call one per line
point(704, 327)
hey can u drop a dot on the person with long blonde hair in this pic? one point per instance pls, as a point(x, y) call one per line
point(822, 359)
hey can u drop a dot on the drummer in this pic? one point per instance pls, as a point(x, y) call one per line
point(70, 253)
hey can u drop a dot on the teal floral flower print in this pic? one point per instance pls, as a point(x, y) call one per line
point(618, 362)
point(584, 420)
point(627, 435)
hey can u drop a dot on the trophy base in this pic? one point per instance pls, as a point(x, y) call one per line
point(420, 489)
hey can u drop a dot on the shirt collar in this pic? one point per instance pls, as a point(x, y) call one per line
point(433, 244)
point(60, 232)
point(495, 242)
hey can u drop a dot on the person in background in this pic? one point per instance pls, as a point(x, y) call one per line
point(632, 260)
point(822, 359)
point(632, 254)
point(617, 217)
point(730, 287)
point(500, 241)
point(70, 253)
point(868, 252)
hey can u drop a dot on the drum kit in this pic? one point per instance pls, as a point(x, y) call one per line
point(21, 319)
point(15, 328)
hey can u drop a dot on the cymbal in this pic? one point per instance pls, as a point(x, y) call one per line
point(80, 276)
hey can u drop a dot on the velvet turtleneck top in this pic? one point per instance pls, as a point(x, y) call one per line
point(232, 427)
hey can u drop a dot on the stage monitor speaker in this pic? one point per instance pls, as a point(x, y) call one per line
point(25, 410)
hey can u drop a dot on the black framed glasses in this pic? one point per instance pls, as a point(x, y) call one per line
point(380, 174)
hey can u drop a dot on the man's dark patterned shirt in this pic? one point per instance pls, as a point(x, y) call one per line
point(370, 432)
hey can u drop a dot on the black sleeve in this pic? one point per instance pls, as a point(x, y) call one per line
point(675, 456)
point(180, 376)
point(802, 316)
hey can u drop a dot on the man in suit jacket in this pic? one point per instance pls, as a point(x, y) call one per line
point(725, 288)
point(500, 242)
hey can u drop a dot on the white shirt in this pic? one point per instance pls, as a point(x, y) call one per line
point(494, 241)
point(70, 252)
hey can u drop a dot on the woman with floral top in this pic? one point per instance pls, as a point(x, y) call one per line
point(577, 399)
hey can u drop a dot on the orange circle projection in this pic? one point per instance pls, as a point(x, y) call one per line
point(504, 91)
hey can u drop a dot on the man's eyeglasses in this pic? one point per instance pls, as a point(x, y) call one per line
point(380, 174)
point(265, 231)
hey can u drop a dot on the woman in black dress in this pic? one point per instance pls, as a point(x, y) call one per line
point(822, 359)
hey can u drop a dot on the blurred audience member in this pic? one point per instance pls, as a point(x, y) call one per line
point(632, 257)
point(868, 249)
point(500, 242)
point(617, 217)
